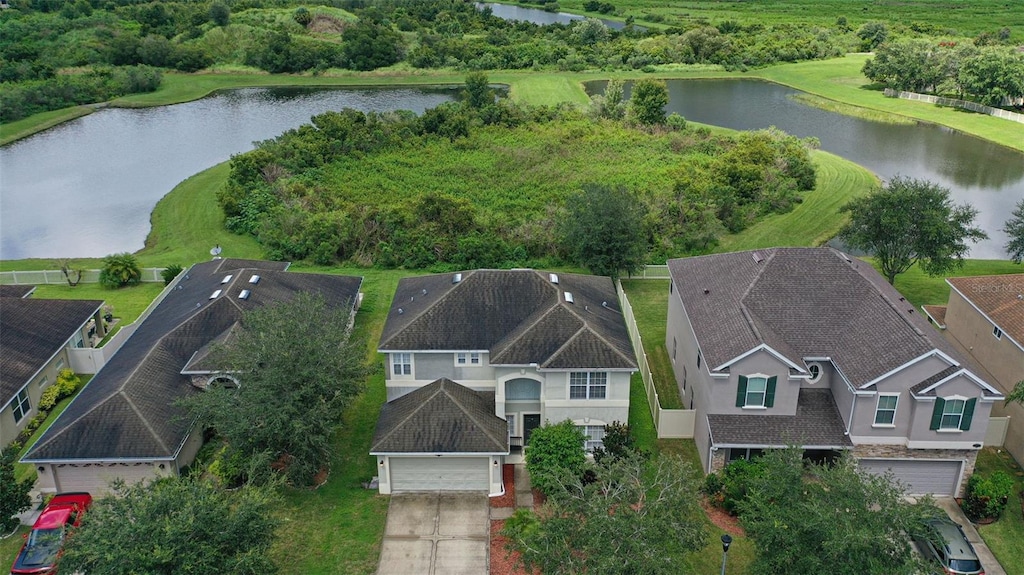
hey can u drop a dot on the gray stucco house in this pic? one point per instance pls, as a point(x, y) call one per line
point(809, 347)
point(522, 347)
point(124, 424)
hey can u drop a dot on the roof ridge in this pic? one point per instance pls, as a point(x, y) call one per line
point(528, 328)
point(747, 316)
point(413, 412)
point(40, 444)
point(145, 421)
point(468, 413)
point(467, 275)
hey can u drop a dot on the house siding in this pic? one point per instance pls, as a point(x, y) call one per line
point(899, 382)
point(9, 428)
point(694, 383)
point(787, 391)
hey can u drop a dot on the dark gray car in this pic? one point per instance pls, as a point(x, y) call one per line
point(948, 545)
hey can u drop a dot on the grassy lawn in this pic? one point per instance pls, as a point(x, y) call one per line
point(919, 288)
point(127, 303)
point(649, 299)
point(1006, 536)
point(9, 547)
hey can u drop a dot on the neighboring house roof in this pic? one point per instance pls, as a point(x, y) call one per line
point(441, 417)
point(127, 411)
point(32, 331)
point(999, 298)
point(17, 291)
point(816, 424)
point(803, 303)
point(520, 317)
point(937, 313)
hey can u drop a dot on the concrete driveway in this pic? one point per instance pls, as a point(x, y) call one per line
point(436, 534)
point(988, 560)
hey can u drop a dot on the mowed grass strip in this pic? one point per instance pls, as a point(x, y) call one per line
point(649, 299)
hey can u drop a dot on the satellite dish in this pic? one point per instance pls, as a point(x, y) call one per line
point(215, 251)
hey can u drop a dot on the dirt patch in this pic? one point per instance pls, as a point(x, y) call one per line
point(508, 476)
point(324, 24)
point(721, 519)
point(502, 561)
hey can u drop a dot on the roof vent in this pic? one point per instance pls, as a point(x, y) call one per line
point(553, 278)
point(848, 259)
point(424, 292)
point(456, 278)
point(568, 297)
point(400, 311)
point(758, 258)
point(604, 304)
point(706, 291)
point(254, 279)
point(244, 294)
point(215, 294)
point(226, 279)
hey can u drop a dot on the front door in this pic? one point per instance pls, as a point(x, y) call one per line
point(531, 421)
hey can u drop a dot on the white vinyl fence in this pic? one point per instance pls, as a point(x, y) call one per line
point(963, 104)
point(40, 277)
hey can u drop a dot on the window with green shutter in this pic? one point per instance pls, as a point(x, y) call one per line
point(756, 391)
point(952, 414)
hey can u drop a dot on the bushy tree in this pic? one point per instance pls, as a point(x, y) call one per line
point(829, 518)
point(604, 230)
point(120, 270)
point(991, 75)
point(910, 221)
point(1014, 229)
point(175, 525)
point(297, 369)
point(628, 516)
point(368, 46)
point(611, 104)
point(872, 35)
point(220, 13)
point(914, 65)
point(14, 497)
point(648, 100)
point(555, 450)
point(477, 93)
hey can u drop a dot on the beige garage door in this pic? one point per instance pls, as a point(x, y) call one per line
point(96, 478)
point(919, 476)
point(432, 473)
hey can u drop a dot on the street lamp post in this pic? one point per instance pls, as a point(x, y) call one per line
point(726, 542)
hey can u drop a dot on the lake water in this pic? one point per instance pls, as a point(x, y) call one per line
point(988, 176)
point(86, 188)
point(542, 17)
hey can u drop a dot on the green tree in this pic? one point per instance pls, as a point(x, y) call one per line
point(611, 104)
point(14, 497)
point(368, 46)
point(915, 65)
point(1017, 395)
point(872, 35)
point(120, 270)
point(910, 221)
point(629, 516)
point(991, 75)
point(604, 230)
point(302, 16)
point(1014, 229)
point(555, 450)
point(828, 518)
point(648, 101)
point(175, 525)
point(478, 91)
point(219, 13)
point(297, 369)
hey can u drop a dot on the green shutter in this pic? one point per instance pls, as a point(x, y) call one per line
point(937, 413)
point(965, 423)
point(769, 392)
point(741, 392)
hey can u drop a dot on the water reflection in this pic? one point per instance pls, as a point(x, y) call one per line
point(542, 17)
point(86, 188)
point(987, 175)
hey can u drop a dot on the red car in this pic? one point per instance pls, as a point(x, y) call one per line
point(43, 544)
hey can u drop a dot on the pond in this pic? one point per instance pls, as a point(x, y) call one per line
point(988, 176)
point(86, 188)
point(542, 17)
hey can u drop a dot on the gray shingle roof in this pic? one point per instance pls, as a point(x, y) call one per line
point(442, 417)
point(816, 423)
point(803, 302)
point(33, 330)
point(16, 290)
point(518, 316)
point(127, 411)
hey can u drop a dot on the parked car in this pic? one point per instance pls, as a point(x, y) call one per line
point(43, 544)
point(944, 541)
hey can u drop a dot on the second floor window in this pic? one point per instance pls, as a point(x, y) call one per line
point(952, 414)
point(21, 406)
point(885, 411)
point(467, 358)
point(588, 385)
point(401, 364)
point(756, 391)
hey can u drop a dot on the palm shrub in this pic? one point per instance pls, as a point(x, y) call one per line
point(171, 272)
point(120, 270)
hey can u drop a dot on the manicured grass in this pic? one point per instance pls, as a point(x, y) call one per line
point(127, 303)
point(9, 547)
point(649, 299)
point(1005, 537)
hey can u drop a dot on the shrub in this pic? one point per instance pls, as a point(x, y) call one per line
point(987, 496)
point(736, 479)
point(618, 442)
point(554, 450)
point(14, 497)
point(67, 383)
point(170, 272)
point(49, 397)
point(120, 270)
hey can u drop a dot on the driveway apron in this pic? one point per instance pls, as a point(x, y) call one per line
point(988, 560)
point(436, 534)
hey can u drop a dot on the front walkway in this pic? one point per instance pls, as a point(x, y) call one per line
point(436, 534)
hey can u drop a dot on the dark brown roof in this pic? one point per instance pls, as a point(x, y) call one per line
point(17, 291)
point(519, 316)
point(816, 424)
point(442, 417)
point(937, 313)
point(803, 302)
point(127, 411)
point(1001, 298)
point(32, 330)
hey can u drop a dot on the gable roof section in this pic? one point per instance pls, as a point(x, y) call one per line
point(802, 302)
point(518, 316)
point(127, 411)
point(998, 298)
point(32, 331)
point(442, 417)
point(929, 387)
point(16, 291)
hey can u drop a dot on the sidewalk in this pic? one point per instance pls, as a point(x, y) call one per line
point(988, 560)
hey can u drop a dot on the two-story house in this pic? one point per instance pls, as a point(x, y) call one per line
point(809, 347)
point(984, 319)
point(478, 359)
point(35, 336)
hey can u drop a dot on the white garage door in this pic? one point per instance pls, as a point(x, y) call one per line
point(434, 473)
point(96, 478)
point(919, 476)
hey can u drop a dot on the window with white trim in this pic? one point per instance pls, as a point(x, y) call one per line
point(756, 391)
point(77, 340)
point(20, 405)
point(997, 332)
point(60, 365)
point(401, 364)
point(952, 414)
point(594, 437)
point(885, 409)
point(756, 388)
point(814, 371)
point(511, 417)
point(43, 382)
point(467, 358)
point(588, 385)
